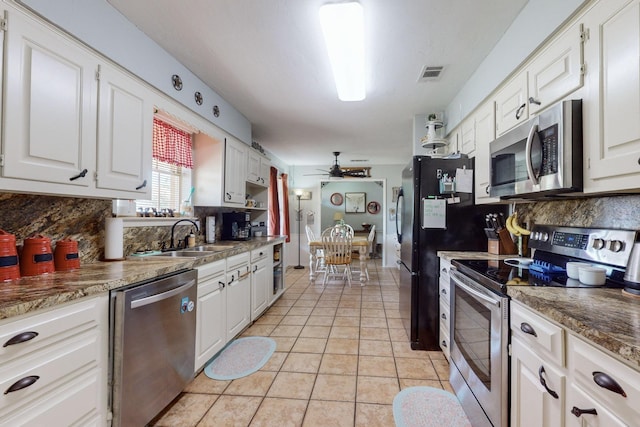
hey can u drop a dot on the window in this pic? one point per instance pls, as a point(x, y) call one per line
point(171, 168)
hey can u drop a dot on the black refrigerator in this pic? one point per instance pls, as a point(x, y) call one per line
point(431, 216)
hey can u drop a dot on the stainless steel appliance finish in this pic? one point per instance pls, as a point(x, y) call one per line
point(153, 348)
point(540, 157)
point(419, 242)
point(479, 339)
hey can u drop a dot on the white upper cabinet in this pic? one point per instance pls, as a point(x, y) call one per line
point(485, 133)
point(258, 169)
point(557, 70)
point(612, 81)
point(468, 137)
point(512, 105)
point(235, 171)
point(125, 127)
point(50, 106)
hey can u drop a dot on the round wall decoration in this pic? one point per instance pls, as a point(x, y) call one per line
point(373, 207)
point(336, 199)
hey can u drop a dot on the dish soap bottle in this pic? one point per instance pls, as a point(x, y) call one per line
point(191, 239)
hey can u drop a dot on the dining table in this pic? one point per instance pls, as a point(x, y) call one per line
point(358, 242)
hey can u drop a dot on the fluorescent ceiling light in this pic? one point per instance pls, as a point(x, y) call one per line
point(343, 29)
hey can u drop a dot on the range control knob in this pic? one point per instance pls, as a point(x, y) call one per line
point(534, 235)
point(597, 244)
point(615, 245)
point(544, 236)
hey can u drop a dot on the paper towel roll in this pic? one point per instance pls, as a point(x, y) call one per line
point(113, 232)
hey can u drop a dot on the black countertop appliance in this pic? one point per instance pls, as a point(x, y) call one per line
point(434, 212)
point(236, 226)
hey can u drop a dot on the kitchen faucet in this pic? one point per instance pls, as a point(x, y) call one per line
point(173, 228)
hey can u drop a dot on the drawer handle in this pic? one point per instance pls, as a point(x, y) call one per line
point(605, 381)
point(255, 268)
point(444, 316)
point(22, 383)
point(221, 284)
point(444, 343)
point(20, 338)
point(528, 329)
point(544, 383)
point(233, 278)
point(444, 270)
point(578, 412)
point(520, 111)
point(444, 292)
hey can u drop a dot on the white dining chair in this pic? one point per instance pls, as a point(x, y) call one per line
point(319, 253)
point(370, 247)
point(337, 253)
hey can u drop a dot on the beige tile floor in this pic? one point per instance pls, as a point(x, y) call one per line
point(341, 357)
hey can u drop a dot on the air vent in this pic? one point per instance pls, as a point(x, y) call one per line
point(359, 160)
point(430, 73)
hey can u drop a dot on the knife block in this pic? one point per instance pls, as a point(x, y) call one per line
point(503, 245)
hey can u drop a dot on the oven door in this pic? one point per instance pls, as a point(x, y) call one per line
point(479, 352)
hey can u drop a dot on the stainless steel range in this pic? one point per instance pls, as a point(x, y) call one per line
point(480, 307)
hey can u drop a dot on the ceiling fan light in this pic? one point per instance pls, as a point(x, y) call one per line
point(343, 30)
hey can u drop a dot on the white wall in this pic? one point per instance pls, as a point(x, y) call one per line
point(102, 27)
point(536, 22)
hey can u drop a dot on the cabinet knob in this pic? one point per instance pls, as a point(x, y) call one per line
point(22, 383)
point(578, 412)
point(444, 343)
point(532, 100)
point(543, 382)
point(443, 292)
point(221, 284)
point(144, 184)
point(228, 196)
point(80, 175)
point(605, 381)
point(20, 338)
point(486, 189)
point(444, 316)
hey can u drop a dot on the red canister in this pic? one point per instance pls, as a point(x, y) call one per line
point(9, 267)
point(66, 255)
point(36, 257)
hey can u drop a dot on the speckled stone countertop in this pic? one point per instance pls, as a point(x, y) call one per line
point(606, 317)
point(37, 292)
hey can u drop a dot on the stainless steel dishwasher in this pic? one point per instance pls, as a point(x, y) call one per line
point(153, 345)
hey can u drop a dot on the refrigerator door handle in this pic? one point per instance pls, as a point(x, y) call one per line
point(399, 214)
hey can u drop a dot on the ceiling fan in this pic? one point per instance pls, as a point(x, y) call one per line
point(337, 172)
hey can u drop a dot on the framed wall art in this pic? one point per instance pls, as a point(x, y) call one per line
point(336, 199)
point(354, 202)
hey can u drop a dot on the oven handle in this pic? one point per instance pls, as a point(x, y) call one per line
point(475, 293)
point(533, 132)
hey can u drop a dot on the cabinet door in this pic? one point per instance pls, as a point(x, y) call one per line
point(265, 172)
point(557, 70)
point(512, 106)
point(253, 167)
point(581, 407)
point(210, 327)
point(531, 403)
point(50, 106)
point(485, 129)
point(260, 281)
point(234, 172)
point(468, 137)
point(125, 127)
point(612, 128)
point(238, 301)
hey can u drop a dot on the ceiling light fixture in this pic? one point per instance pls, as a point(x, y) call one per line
point(343, 29)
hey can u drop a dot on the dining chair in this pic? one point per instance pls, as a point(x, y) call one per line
point(319, 266)
point(342, 229)
point(370, 247)
point(337, 253)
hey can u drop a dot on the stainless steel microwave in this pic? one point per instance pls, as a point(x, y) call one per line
point(540, 157)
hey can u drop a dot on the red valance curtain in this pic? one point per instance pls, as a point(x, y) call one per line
point(274, 204)
point(171, 145)
point(285, 207)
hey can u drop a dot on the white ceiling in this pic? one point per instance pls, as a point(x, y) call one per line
point(267, 58)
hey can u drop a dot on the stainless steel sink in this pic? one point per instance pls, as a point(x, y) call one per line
point(195, 253)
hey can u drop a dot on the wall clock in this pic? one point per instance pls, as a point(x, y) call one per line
point(354, 202)
point(336, 199)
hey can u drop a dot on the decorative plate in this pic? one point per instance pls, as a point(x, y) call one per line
point(373, 207)
point(336, 199)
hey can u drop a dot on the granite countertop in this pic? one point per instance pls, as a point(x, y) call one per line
point(37, 292)
point(605, 317)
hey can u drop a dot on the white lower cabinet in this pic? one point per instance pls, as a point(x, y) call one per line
point(238, 294)
point(53, 366)
point(261, 280)
point(593, 388)
point(211, 330)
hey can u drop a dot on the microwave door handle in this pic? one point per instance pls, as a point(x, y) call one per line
point(533, 133)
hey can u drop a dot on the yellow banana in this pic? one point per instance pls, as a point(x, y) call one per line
point(517, 227)
point(509, 224)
